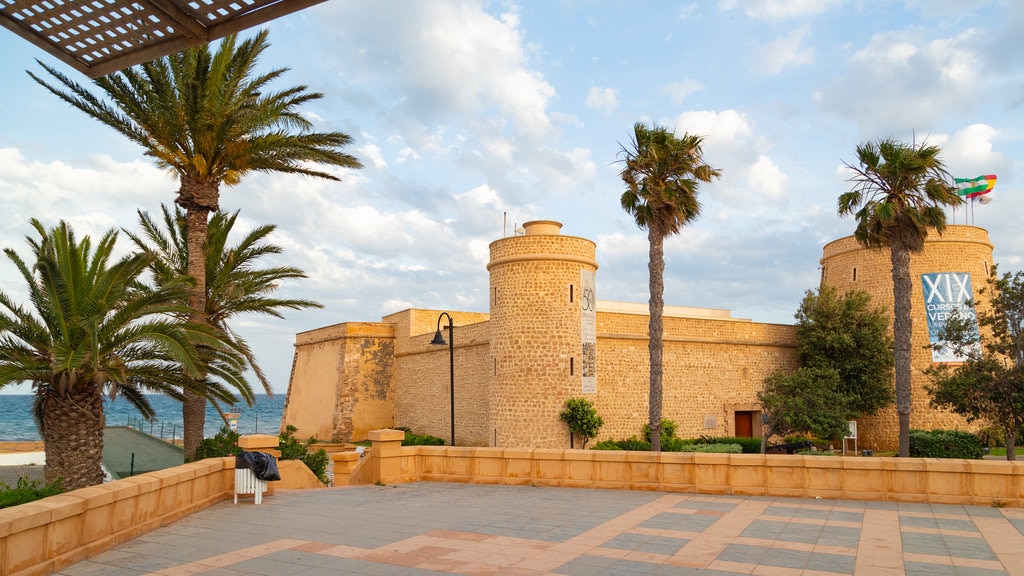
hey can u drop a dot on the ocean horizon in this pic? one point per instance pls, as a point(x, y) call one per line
point(263, 417)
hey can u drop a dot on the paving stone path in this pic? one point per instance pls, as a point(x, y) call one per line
point(436, 528)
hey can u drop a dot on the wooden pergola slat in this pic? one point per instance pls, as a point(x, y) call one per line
point(98, 37)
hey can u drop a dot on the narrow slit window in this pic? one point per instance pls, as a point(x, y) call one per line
point(572, 292)
point(572, 366)
point(854, 274)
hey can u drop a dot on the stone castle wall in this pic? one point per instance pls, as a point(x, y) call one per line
point(516, 366)
point(846, 265)
point(347, 373)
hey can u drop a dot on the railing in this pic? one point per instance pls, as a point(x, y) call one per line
point(140, 425)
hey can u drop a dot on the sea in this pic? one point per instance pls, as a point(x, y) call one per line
point(263, 417)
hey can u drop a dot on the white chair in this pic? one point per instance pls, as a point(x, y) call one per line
point(247, 483)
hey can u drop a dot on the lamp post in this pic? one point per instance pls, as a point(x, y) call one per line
point(439, 341)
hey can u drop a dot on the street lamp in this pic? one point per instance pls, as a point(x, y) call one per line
point(439, 341)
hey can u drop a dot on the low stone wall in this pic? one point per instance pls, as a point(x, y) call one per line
point(44, 536)
point(980, 482)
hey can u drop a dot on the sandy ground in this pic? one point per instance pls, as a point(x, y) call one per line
point(17, 447)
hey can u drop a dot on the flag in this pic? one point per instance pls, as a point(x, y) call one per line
point(971, 187)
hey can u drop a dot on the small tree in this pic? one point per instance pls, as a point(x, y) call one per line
point(582, 418)
point(850, 335)
point(808, 400)
point(989, 384)
point(846, 352)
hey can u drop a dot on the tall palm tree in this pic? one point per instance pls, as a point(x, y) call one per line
point(209, 118)
point(92, 332)
point(662, 173)
point(235, 283)
point(898, 195)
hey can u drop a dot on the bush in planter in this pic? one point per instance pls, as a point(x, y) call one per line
point(292, 449)
point(632, 443)
point(945, 444)
point(223, 443)
point(749, 445)
point(413, 439)
point(713, 448)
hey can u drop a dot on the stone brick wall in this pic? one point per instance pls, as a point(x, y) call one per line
point(423, 383)
point(847, 266)
point(712, 367)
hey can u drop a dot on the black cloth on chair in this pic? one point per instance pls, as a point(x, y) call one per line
point(263, 466)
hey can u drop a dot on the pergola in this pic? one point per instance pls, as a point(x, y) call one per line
point(97, 37)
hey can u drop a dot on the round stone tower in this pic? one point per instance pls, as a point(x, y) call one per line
point(542, 319)
point(939, 277)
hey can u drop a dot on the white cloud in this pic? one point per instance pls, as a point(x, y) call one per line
point(970, 152)
point(722, 128)
point(372, 153)
point(678, 91)
point(781, 9)
point(765, 178)
point(783, 53)
point(603, 99)
point(448, 58)
point(900, 82)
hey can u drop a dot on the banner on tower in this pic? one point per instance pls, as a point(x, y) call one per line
point(946, 293)
point(588, 331)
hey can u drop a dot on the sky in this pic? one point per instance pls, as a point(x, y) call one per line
point(472, 117)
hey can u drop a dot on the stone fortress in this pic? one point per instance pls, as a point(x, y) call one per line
point(547, 339)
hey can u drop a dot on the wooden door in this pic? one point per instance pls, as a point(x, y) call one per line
point(745, 424)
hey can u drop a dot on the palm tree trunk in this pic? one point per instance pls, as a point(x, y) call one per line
point(193, 408)
point(902, 329)
point(73, 437)
point(656, 266)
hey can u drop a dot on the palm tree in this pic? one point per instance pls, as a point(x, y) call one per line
point(209, 119)
point(899, 192)
point(92, 332)
point(662, 173)
point(235, 284)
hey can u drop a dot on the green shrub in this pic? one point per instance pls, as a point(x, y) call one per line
point(224, 443)
point(668, 430)
point(945, 444)
point(28, 491)
point(292, 449)
point(582, 418)
point(716, 448)
point(816, 452)
point(632, 443)
point(413, 439)
point(749, 445)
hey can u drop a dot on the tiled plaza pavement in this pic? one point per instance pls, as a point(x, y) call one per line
point(435, 528)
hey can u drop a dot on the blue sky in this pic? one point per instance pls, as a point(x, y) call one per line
point(464, 112)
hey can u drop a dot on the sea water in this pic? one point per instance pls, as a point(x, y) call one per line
point(263, 417)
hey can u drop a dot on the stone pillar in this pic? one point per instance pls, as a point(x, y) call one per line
point(386, 456)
